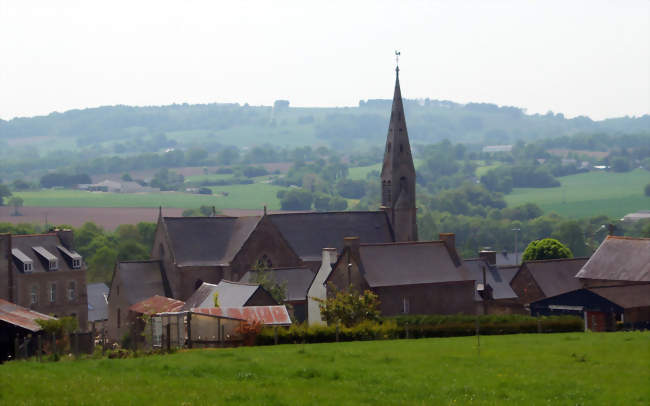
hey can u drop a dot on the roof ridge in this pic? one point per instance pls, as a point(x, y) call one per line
point(238, 283)
point(327, 212)
point(139, 261)
point(623, 237)
point(537, 261)
point(401, 243)
point(33, 235)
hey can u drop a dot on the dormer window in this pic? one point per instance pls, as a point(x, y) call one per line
point(50, 259)
point(76, 263)
point(73, 258)
point(24, 261)
point(54, 265)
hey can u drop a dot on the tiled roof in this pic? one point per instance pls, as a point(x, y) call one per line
point(21, 316)
point(409, 263)
point(157, 304)
point(97, 301)
point(556, 276)
point(621, 259)
point(268, 315)
point(208, 241)
point(296, 280)
point(309, 233)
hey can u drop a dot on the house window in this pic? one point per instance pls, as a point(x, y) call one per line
point(53, 265)
point(406, 305)
point(53, 293)
point(72, 290)
point(27, 267)
point(76, 263)
point(34, 295)
point(118, 318)
point(264, 262)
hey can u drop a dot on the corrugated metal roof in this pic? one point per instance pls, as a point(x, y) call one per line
point(231, 294)
point(21, 316)
point(268, 315)
point(621, 259)
point(157, 304)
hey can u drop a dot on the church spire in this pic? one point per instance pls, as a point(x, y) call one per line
point(398, 172)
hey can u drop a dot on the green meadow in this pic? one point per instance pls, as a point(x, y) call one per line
point(253, 196)
point(526, 369)
point(590, 194)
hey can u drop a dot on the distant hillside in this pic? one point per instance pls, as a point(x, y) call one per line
point(125, 129)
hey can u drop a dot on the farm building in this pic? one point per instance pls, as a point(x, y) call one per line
point(229, 294)
point(295, 281)
point(601, 307)
point(426, 277)
point(17, 322)
point(618, 261)
point(536, 280)
point(44, 273)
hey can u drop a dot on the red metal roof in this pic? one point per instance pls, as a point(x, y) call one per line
point(268, 315)
point(157, 304)
point(21, 316)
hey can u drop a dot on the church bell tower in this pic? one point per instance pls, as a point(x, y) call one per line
point(398, 173)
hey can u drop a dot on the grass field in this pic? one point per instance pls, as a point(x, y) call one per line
point(253, 196)
point(590, 194)
point(536, 369)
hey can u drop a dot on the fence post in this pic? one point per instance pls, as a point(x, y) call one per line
point(169, 336)
point(223, 335)
point(275, 335)
point(189, 329)
point(16, 347)
point(103, 339)
point(26, 342)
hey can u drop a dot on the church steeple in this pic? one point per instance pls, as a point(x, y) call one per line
point(398, 173)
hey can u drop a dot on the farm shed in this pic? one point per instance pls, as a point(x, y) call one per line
point(296, 282)
point(139, 312)
point(536, 280)
point(229, 294)
point(601, 307)
point(18, 322)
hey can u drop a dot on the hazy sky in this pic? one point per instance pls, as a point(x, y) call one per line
point(579, 58)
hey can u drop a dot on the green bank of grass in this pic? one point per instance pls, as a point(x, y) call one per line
point(590, 194)
point(253, 196)
point(571, 369)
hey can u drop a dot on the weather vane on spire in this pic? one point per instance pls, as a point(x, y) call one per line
point(397, 54)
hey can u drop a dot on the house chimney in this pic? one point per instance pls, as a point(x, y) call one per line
point(351, 242)
point(328, 257)
point(450, 242)
point(488, 256)
point(67, 238)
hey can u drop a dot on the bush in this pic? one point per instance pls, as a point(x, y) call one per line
point(547, 248)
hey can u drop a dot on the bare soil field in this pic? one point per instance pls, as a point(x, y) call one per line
point(564, 152)
point(109, 217)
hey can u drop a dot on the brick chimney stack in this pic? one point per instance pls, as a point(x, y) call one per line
point(450, 242)
point(488, 256)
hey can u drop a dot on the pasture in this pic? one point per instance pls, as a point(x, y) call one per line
point(526, 369)
point(589, 194)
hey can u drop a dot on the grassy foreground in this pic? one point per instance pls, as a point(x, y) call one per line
point(571, 369)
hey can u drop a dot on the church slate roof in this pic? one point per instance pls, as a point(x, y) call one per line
point(309, 233)
point(142, 280)
point(208, 241)
point(556, 276)
point(410, 263)
point(619, 258)
point(296, 280)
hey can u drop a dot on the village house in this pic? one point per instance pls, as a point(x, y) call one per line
point(494, 295)
point(44, 273)
point(618, 261)
point(425, 277)
point(536, 280)
point(17, 322)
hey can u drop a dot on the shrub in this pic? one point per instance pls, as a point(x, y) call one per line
point(547, 248)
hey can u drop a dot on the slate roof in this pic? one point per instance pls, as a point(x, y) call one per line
point(296, 280)
point(309, 233)
point(556, 276)
point(231, 294)
point(157, 304)
point(409, 263)
point(50, 242)
point(498, 279)
point(97, 301)
point(619, 258)
point(505, 258)
point(627, 297)
point(268, 315)
point(142, 280)
point(20, 316)
point(208, 241)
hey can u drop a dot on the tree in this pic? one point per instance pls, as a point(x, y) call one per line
point(16, 202)
point(297, 199)
point(101, 264)
point(647, 189)
point(620, 164)
point(126, 177)
point(352, 189)
point(350, 307)
point(264, 277)
point(4, 192)
point(547, 248)
point(571, 234)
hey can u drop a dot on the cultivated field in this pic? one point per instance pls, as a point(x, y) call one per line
point(590, 194)
point(535, 369)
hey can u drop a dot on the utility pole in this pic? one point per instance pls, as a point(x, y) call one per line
point(516, 230)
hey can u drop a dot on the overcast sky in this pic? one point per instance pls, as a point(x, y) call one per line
point(578, 58)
